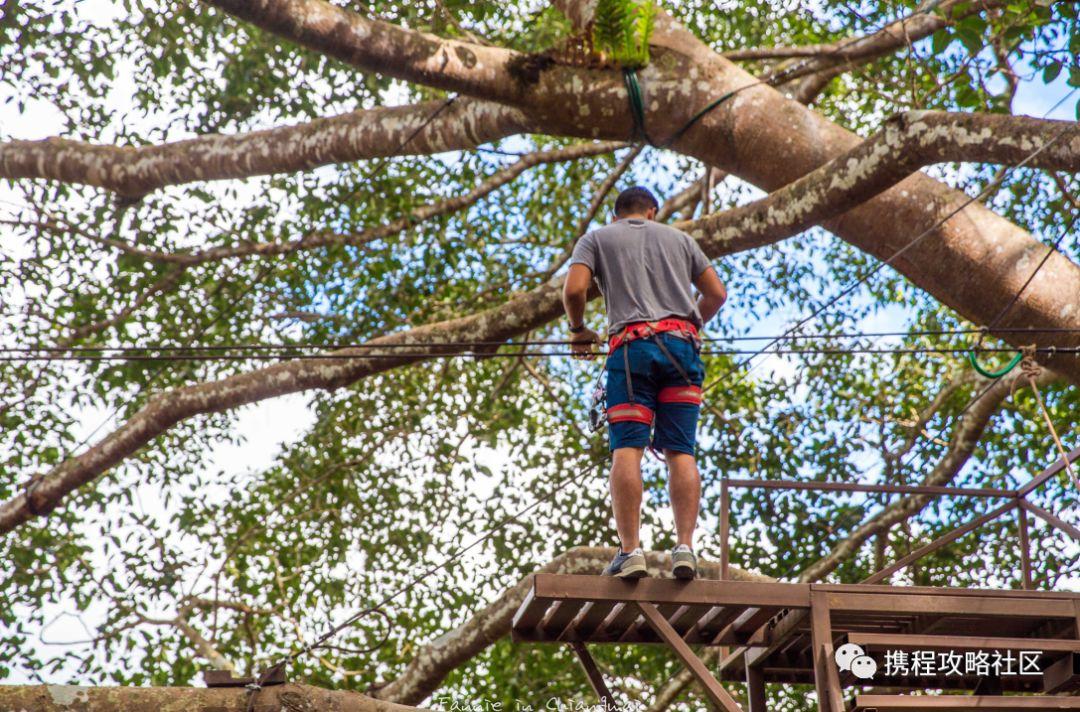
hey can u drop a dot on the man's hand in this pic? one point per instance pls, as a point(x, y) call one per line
point(584, 343)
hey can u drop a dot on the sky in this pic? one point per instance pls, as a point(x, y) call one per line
point(265, 426)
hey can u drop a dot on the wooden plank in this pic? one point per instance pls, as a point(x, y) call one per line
point(706, 629)
point(559, 617)
point(656, 590)
point(714, 691)
point(1025, 548)
point(725, 524)
point(959, 643)
point(1046, 474)
point(904, 703)
point(616, 623)
point(746, 627)
point(986, 606)
point(826, 676)
point(531, 611)
point(640, 631)
point(755, 690)
point(588, 620)
point(687, 616)
point(752, 619)
point(941, 591)
point(1062, 676)
point(595, 677)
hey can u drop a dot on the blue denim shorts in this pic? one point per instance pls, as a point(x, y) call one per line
point(656, 394)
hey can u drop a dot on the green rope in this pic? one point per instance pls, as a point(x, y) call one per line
point(974, 361)
point(637, 104)
point(637, 109)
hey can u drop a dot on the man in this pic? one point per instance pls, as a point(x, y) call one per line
point(646, 271)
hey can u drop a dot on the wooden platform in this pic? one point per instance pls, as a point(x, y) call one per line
point(787, 633)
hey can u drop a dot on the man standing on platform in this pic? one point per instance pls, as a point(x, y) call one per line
point(646, 272)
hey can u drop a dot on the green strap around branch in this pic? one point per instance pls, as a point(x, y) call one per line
point(1004, 370)
point(637, 109)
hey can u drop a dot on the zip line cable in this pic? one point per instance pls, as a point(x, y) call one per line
point(426, 355)
point(289, 348)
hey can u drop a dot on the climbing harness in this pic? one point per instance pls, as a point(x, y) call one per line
point(690, 393)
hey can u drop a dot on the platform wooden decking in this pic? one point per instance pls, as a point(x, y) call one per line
point(787, 633)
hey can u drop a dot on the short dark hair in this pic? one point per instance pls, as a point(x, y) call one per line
point(635, 200)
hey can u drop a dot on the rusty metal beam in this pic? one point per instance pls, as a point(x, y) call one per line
point(714, 691)
point(888, 489)
point(941, 541)
point(1046, 474)
point(1051, 518)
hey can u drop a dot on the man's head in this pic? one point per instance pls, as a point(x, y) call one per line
point(636, 202)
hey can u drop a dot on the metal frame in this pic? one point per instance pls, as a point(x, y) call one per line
point(1017, 503)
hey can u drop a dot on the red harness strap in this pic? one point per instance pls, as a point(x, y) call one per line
point(645, 329)
point(680, 394)
point(630, 413)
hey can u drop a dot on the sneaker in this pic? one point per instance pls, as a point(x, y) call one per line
point(628, 566)
point(683, 562)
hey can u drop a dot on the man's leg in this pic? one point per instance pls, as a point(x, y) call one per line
point(626, 495)
point(684, 486)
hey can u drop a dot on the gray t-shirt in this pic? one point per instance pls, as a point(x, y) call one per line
point(645, 270)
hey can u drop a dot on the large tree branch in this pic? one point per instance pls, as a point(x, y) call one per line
point(832, 59)
point(328, 238)
point(429, 127)
point(436, 660)
point(68, 698)
point(377, 46)
point(907, 143)
point(976, 262)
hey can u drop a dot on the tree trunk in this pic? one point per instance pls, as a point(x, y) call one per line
point(279, 698)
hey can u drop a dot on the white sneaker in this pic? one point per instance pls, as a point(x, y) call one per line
point(683, 562)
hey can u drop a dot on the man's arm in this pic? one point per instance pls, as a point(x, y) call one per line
point(713, 294)
point(575, 296)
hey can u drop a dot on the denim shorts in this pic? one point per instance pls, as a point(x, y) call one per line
point(656, 395)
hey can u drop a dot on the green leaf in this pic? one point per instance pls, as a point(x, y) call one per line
point(941, 41)
point(1074, 76)
point(1051, 72)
